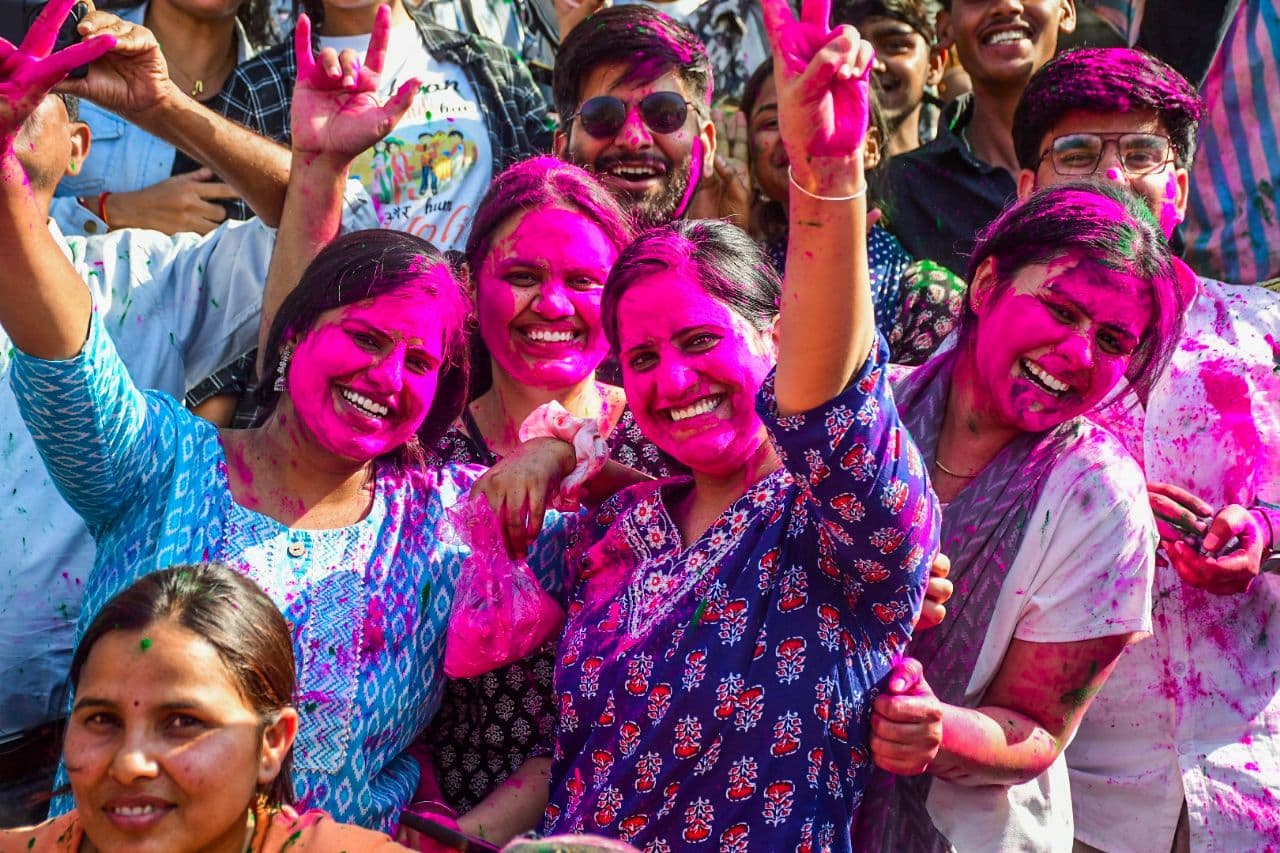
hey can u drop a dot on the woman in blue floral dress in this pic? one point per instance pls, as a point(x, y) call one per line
point(327, 505)
point(728, 631)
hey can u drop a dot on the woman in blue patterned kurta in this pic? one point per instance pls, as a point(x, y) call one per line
point(727, 632)
point(326, 505)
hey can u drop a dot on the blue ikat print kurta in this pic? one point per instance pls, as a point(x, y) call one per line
point(368, 603)
point(717, 697)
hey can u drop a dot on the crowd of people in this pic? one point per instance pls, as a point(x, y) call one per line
point(876, 405)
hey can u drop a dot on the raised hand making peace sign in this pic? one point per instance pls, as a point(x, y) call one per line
point(823, 78)
point(29, 71)
point(335, 101)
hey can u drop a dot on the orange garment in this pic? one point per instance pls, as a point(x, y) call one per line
point(275, 830)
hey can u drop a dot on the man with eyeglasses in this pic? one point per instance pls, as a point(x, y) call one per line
point(633, 89)
point(1181, 749)
point(944, 192)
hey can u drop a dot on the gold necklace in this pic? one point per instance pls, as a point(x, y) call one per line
point(944, 469)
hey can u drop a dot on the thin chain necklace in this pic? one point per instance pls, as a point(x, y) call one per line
point(944, 469)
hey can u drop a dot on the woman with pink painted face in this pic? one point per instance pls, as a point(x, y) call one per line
point(542, 244)
point(1073, 296)
point(327, 504)
point(727, 630)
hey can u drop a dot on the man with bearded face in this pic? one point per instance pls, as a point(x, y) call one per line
point(641, 123)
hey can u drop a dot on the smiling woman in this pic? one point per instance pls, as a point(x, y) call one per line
point(1073, 294)
point(182, 732)
point(327, 504)
point(541, 247)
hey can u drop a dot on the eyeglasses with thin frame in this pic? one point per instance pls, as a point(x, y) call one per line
point(1076, 154)
point(604, 115)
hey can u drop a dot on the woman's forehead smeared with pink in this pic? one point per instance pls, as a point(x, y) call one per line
point(1099, 225)
point(727, 263)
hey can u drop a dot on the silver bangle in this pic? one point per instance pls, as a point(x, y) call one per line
point(859, 193)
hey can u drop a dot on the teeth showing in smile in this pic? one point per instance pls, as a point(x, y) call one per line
point(701, 407)
point(133, 811)
point(1007, 37)
point(364, 404)
point(1054, 386)
point(633, 173)
point(549, 336)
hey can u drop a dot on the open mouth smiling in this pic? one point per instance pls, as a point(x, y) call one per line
point(702, 406)
point(1006, 35)
point(1042, 379)
point(364, 405)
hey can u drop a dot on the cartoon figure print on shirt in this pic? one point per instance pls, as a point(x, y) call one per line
point(426, 176)
point(414, 175)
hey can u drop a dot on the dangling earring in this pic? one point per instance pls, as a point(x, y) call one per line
point(286, 353)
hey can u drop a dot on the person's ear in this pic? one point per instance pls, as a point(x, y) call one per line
point(81, 138)
point(560, 144)
point(1183, 177)
point(1067, 23)
point(277, 740)
point(946, 34)
point(872, 149)
point(1027, 183)
point(937, 65)
point(983, 286)
point(707, 133)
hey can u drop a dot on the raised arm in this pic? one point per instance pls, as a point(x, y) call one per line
point(336, 115)
point(44, 305)
point(827, 322)
point(133, 80)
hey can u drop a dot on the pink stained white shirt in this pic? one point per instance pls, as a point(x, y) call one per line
point(1194, 711)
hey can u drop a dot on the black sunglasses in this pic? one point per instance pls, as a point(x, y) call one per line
point(604, 115)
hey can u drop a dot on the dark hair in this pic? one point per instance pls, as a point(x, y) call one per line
point(360, 266)
point(767, 219)
point(728, 264)
point(644, 40)
point(254, 15)
point(231, 613)
point(539, 183)
point(1106, 80)
point(1105, 225)
point(72, 103)
point(913, 13)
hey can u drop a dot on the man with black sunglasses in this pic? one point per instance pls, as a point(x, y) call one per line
point(633, 89)
point(1181, 748)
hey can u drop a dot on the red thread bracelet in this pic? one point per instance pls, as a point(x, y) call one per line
point(102, 208)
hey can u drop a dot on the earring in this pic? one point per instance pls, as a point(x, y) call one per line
point(286, 353)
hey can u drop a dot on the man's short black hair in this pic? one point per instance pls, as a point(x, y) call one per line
point(1106, 80)
point(913, 13)
point(648, 42)
point(72, 103)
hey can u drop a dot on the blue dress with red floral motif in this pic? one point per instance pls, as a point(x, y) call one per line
point(718, 697)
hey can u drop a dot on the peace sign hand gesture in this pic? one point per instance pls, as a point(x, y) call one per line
point(823, 81)
point(29, 71)
point(336, 110)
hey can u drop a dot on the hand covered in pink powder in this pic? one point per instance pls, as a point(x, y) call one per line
point(906, 721)
point(1180, 515)
point(30, 71)
point(1229, 573)
point(336, 110)
point(823, 78)
point(520, 487)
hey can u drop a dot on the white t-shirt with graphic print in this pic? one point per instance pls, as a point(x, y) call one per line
point(426, 176)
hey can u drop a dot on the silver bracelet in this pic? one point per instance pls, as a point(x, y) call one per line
point(859, 193)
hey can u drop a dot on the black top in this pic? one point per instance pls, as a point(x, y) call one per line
point(942, 195)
